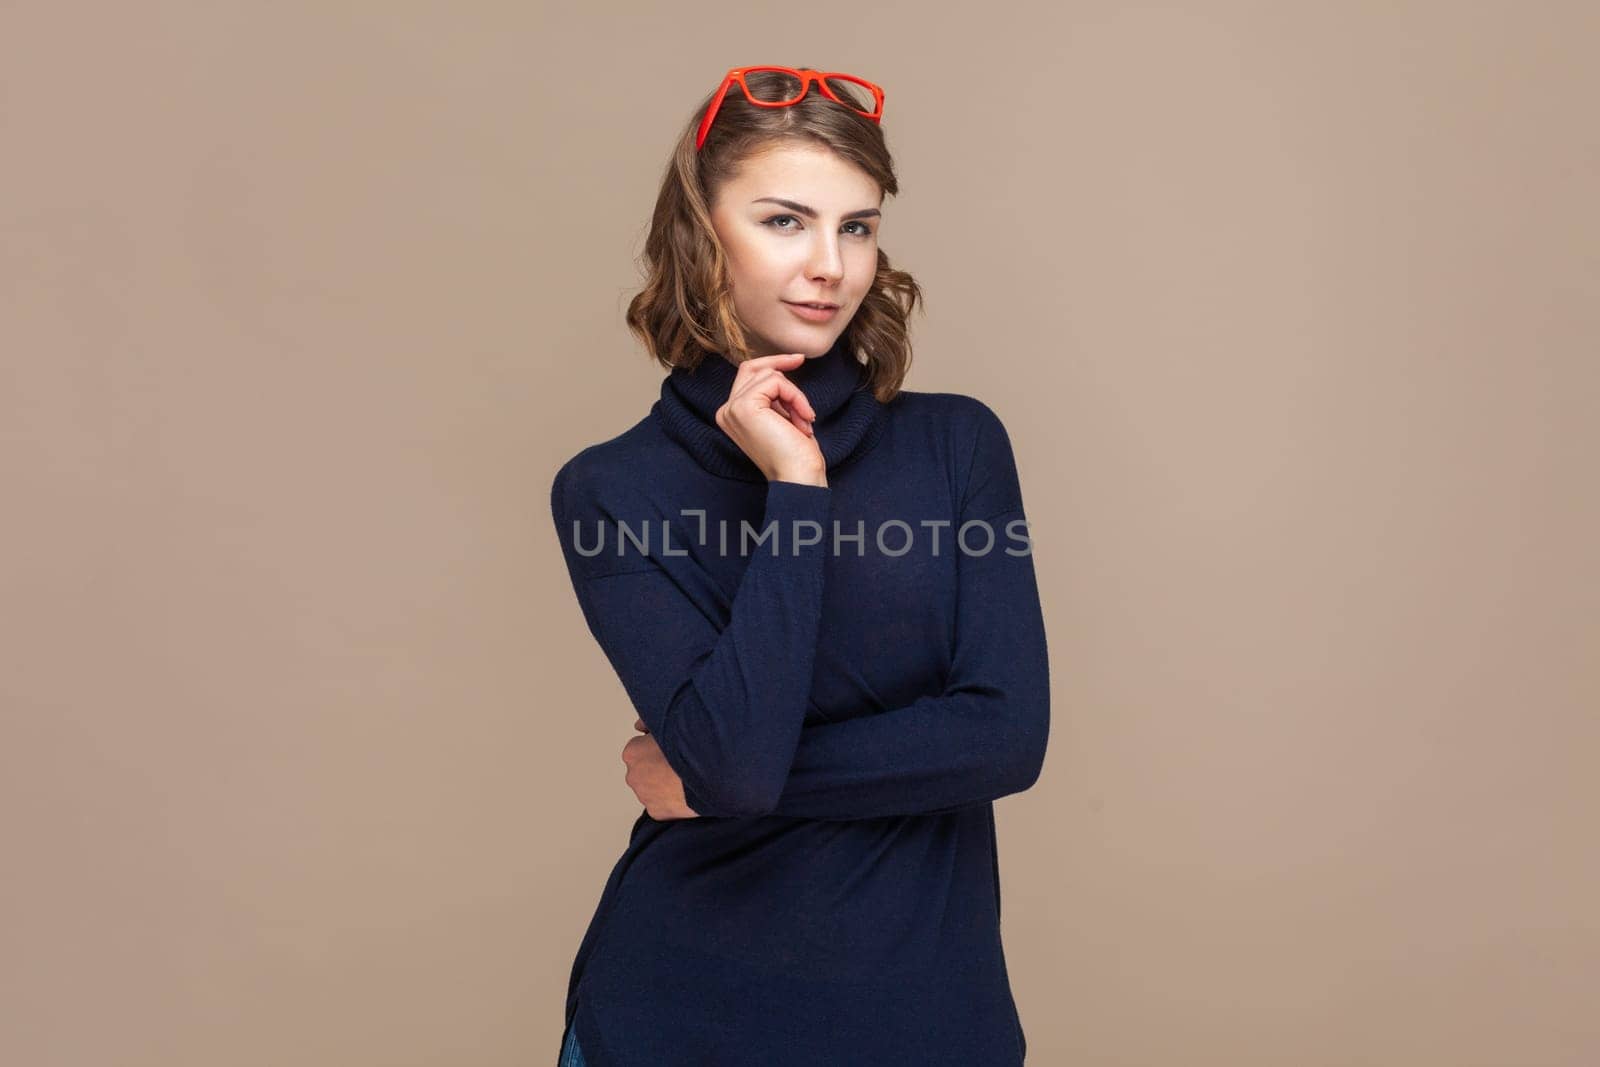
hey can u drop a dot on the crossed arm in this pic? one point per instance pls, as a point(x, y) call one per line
point(726, 705)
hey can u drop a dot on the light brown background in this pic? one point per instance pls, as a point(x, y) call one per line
point(1291, 310)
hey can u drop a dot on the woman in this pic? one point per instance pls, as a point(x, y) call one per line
point(827, 716)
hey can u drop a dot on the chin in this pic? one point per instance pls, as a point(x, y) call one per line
point(808, 343)
point(813, 346)
point(808, 348)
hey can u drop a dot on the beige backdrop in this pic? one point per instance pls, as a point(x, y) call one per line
point(1291, 309)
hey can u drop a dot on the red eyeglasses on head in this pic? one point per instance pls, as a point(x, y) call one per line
point(788, 88)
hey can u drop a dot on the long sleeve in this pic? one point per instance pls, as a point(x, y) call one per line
point(725, 703)
point(985, 735)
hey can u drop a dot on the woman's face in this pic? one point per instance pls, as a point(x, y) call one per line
point(798, 224)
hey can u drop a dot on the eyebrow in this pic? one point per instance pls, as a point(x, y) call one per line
point(811, 213)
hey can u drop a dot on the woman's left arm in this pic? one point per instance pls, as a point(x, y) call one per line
point(983, 738)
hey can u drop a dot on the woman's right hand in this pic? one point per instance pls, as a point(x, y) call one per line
point(769, 418)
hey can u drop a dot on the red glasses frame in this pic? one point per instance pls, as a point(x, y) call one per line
point(805, 77)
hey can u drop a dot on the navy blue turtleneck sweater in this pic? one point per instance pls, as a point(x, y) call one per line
point(845, 677)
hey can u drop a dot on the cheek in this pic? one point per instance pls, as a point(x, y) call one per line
point(739, 278)
point(755, 277)
point(865, 265)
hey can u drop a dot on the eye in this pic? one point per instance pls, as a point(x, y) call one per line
point(865, 231)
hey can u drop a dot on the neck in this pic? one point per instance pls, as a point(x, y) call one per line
point(849, 417)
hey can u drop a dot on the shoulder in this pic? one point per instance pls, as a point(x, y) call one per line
point(972, 436)
point(965, 423)
point(955, 411)
point(603, 470)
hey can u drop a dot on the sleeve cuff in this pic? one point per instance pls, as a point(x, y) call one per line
point(691, 798)
point(794, 507)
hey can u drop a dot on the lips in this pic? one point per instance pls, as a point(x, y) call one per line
point(820, 304)
point(813, 315)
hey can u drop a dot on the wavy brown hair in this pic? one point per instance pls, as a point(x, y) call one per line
point(685, 311)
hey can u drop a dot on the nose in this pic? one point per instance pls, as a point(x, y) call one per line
point(825, 266)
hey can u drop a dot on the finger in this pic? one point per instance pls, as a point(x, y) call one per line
point(787, 360)
point(770, 389)
point(800, 421)
point(766, 386)
point(761, 366)
point(800, 424)
point(742, 386)
point(791, 394)
point(638, 724)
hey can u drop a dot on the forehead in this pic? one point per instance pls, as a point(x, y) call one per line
point(809, 173)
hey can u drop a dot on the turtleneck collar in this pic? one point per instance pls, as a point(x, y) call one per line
point(849, 417)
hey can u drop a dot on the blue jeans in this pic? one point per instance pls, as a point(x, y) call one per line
point(571, 1055)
